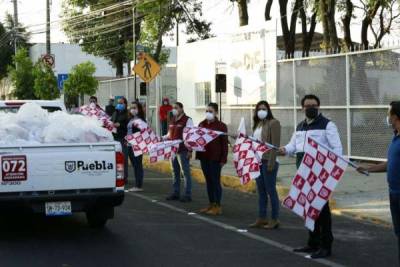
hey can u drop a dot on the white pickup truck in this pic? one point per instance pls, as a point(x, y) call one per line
point(58, 179)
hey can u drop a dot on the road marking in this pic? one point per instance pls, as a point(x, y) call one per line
point(243, 232)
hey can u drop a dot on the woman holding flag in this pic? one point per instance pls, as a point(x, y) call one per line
point(136, 113)
point(213, 159)
point(267, 129)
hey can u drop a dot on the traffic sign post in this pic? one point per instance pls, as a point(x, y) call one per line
point(49, 60)
point(61, 79)
point(147, 68)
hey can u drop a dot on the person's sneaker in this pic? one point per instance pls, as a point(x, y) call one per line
point(259, 223)
point(172, 197)
point(215, 210)
point(186, 199)
point(306, 249)
point(321, 253)
point(204, 210)
point(273, 224)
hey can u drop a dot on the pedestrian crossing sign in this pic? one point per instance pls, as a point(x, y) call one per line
point(147, 68)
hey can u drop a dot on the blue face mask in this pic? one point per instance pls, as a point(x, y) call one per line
point(120, 107)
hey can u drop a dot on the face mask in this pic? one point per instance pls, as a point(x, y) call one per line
point(262, 114)
point(210, 116)
point(120, 107)
point(92, 105)
point(311, 113)
point(165, 102)
point(134, 112)
point(174, 112)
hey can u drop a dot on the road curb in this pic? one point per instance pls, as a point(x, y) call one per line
point(226, 180)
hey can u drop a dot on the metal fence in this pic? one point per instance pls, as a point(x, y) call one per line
point(355, 90)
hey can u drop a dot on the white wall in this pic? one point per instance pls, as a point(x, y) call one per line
point(249, 61)
point(69, 55)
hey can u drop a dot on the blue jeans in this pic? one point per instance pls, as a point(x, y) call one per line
point(181, 164)
point(212, 173)
point(137, 164)
point(395, 211)
point(266, 187)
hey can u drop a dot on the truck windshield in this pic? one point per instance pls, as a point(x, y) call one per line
point(12, 109)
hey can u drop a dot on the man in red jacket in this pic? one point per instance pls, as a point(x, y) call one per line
point(165, 109)
point(213, 159)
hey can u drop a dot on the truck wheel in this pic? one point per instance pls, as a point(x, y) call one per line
point(97, 218)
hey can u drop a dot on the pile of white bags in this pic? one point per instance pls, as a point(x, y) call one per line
point(33, 125)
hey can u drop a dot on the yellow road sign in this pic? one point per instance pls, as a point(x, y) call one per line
point(147, 68)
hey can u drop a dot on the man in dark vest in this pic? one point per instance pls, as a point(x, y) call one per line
point(180, 164)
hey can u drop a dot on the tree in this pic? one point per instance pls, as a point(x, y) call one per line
point(388, 15)
point(106, 29)
point(160, 18)
point(7, 36)
point(22, 75)
point(370, 8)
point(81, 81)
point(308, 35)
point(243, 12)
point(45, 84)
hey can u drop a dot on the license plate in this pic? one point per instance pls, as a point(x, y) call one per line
point(58, 208)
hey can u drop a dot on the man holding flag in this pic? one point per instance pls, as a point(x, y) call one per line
point(392, 167)
point(325, 133)
point(213, 158)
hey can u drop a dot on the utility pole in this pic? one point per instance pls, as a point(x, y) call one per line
point(134, 45)
point(15, 2)
point(48, 47)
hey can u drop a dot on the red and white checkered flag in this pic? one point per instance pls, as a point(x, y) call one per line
point(99, 114)
point(196, 138)
point(142, 140)
point(314, 182)
point(164, 150)
point(247, 155)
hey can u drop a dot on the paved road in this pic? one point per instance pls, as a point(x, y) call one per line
point(147, 231)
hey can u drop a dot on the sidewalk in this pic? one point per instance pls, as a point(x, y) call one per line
point(360, 196)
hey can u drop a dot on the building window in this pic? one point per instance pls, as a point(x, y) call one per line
point(203, 93)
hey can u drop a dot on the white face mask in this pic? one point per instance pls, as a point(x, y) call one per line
point(262, 114)
point(165, 102)
point(92, 105)
point(134, 112)
point(174, 112)
point(210, 116)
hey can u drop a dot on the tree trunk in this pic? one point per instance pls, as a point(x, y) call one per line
point(367, 22)
point(284, 25)
point(346, 25)
point(325, 25)
point(334, 42)
point(289, 34)
point(119, 65)
point(243, 13)
point(268, 10)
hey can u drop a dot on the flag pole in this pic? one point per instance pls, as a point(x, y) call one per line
point(355, 166)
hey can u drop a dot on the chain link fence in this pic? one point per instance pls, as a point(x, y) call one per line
point(355, 90)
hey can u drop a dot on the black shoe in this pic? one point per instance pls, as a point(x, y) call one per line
point(321, 253)
point(186, 199)
point(172, 197)
point(306, 249)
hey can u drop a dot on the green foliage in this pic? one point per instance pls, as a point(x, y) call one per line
point(22, 76)
point(45, 85)
point(110, 33)
point(81, 80)
point(7, 43)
